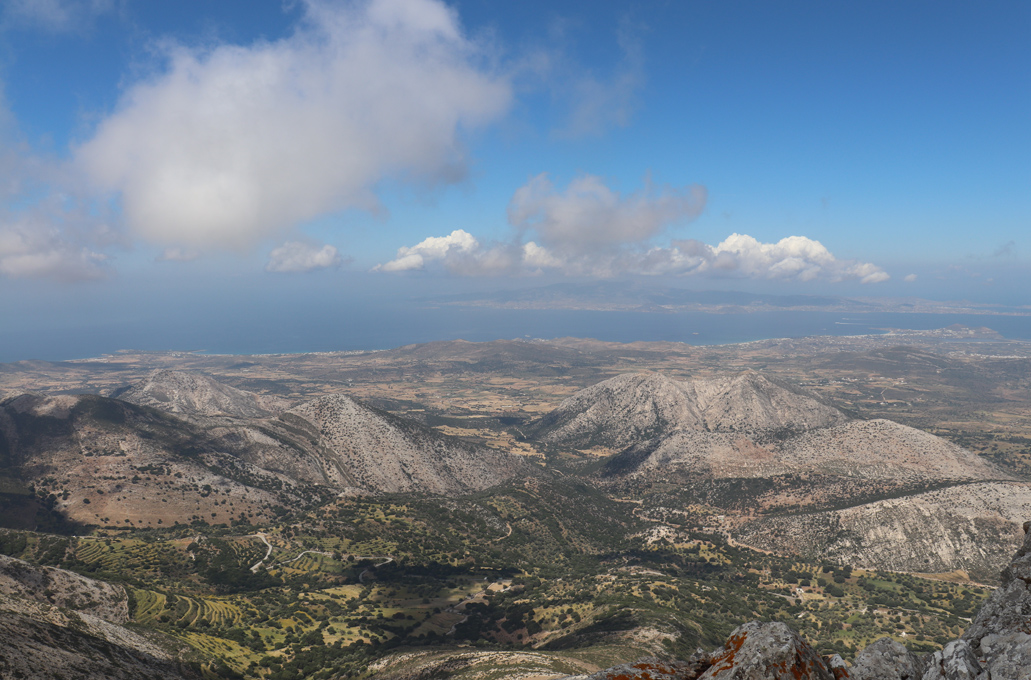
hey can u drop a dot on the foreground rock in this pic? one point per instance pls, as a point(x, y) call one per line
point(885, 658)
point(766, 650)
point(997, 646)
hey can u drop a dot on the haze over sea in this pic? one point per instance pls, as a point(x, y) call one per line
point(300, 330)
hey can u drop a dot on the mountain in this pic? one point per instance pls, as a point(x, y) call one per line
point(633, 407)
point(747, 427)
point(863, 491)
point(333, 440)
point(377, 451)
point(191, 394)
point(873, 450)
point(97, 460)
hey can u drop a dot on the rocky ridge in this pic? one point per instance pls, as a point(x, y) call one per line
point(193, 394)
point(974, 527)
point(103, 461)
point(746, 426)
point(996, 646)
point(375, 450)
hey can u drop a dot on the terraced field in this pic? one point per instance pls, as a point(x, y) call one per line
point(129, 556)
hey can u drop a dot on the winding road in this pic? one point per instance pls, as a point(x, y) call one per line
point(264, 540)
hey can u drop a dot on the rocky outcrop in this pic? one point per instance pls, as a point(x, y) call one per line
point(770, 651)
point(885, 659)
point(73, 629)
point(1001, 633)
point(997, 646)
point(192, 394)
point(655, 669)
point(974, 527)
point(63, 589)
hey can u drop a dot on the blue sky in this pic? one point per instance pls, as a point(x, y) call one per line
point(392, 146)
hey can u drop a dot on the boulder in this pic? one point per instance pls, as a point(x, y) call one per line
point(651, 668)
point(766, 651)
point(885, 659)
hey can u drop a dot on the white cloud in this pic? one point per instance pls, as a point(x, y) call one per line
point(795, 258)
point(31, 248)
point(430, 249)
point(590, 230)
point(910, 278)
point(236, 144)
point(589, 217)
point(47, 235)
point(294, 256)
point(538, 258)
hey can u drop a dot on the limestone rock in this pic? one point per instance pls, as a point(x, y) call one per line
point(838, 667)
point(651, 668)
point(885, 659)
point(1009, 656)
point(1001, 632)
point(956, 662)
point(63, 589)
point(766, 651)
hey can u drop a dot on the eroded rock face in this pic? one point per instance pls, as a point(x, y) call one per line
point(57, 624)
point(1009, 656)
point(956, 662)
point(766, 651)
point(1001, 633)
point(63, 589)
point(885, 659)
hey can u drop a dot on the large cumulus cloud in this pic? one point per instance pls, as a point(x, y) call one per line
point(235, 144)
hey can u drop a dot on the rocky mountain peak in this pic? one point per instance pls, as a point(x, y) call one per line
point(193, 394)
point(751, 402)
point(634, 407)
point(378, 451)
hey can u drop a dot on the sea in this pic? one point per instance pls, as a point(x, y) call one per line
point(385, 327)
